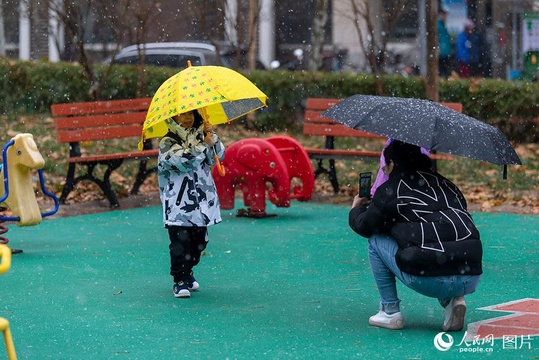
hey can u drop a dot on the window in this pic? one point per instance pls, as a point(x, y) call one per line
point(170, 60)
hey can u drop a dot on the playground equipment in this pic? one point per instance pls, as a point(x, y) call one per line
point(252, 163)
point(5, 263)
point(20, 156)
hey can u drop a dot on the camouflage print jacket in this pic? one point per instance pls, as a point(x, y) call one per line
point(186, 186)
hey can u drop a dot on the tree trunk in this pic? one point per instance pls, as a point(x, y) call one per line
point(377, 49)
point(95, 89)
point(254, 10)
point(141, 78)
point(318, 34)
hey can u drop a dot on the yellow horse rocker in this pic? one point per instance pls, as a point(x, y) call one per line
point(20, 156)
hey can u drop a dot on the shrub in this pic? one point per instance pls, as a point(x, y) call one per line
point(31, 87)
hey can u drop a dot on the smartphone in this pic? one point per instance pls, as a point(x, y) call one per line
point(365, 179)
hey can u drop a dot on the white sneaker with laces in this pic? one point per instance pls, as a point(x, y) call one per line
point(454, 314)
point(393, 321)
point(194, 285)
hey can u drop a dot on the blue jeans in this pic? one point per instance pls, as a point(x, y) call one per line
point(382, 250)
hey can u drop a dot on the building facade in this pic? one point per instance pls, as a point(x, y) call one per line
point(32, 31)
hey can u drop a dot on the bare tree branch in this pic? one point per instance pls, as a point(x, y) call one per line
point(142, 12)
point(76, 16)
point(360, 13)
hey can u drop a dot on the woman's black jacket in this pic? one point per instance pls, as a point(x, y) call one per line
point(427, 215)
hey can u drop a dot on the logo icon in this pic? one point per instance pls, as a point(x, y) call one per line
point(443, 341)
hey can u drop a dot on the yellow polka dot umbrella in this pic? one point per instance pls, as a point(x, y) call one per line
point(218, 93)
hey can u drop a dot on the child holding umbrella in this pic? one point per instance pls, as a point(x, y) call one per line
point(188, 193)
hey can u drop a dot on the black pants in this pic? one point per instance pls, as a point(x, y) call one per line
point(444, 66)
point(186, 246)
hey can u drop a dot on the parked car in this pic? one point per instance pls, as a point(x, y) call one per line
point(177, 54)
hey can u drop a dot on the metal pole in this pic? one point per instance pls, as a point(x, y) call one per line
point(422, 37)
point(54, 34)
point(514, 39)
point(2, 33)
point(24, 30)
point(266, 47)
point(431, 79)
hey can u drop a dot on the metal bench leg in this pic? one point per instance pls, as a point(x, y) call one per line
point(103, 184)
point(142, 174)
point(69, 184)
point(320, 170)
point(332, 175)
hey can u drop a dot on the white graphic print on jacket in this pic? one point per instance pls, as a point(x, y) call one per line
point(435, 199)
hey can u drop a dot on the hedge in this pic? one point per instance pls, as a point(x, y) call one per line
point(31, 87)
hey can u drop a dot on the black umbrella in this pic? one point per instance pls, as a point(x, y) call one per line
point(427, 124)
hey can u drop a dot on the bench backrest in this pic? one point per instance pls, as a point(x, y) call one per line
point(314, 124)
point(99, 120)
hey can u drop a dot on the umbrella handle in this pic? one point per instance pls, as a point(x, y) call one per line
point(220, 167)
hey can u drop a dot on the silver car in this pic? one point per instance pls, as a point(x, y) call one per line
point(177, 54)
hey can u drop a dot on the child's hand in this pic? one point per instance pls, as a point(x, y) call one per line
point(207, 126)
point(209, 139)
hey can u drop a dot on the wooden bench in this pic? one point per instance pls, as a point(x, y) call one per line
point(81, 123)
point(316, 125)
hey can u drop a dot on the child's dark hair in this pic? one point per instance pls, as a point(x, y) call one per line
point(198, 119)
point(407, 155)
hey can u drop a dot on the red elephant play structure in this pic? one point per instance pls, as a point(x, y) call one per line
point(251, 164)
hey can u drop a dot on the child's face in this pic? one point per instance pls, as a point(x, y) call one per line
point(185, 120)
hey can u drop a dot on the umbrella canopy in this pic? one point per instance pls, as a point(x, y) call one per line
point(219, 93)
point(427, 124)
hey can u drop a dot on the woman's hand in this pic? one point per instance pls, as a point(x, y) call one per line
point(360, 201)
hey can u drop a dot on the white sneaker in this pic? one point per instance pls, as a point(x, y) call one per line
point(454, 314)
point(393, 321)
point(192, 283)
point(180, 290)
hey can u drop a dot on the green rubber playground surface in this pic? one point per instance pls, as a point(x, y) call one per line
point(294, 286)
